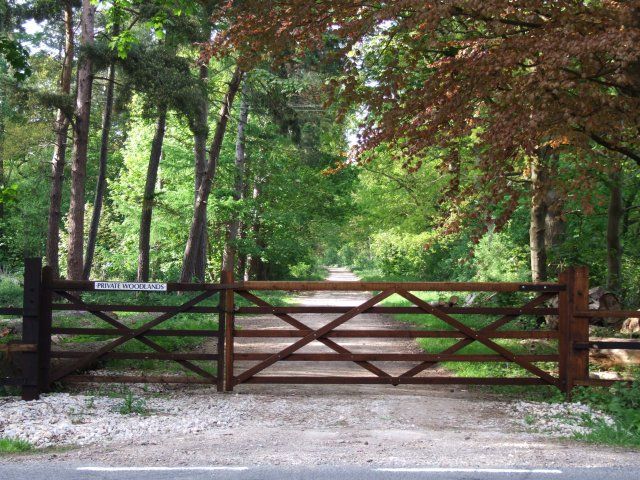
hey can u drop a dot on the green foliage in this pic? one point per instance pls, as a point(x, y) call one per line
point(10, 291)
point(16, 56)
point(14, 445)
point(620, 401)
point(133, 406)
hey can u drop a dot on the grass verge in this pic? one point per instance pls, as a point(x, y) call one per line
point(622, 403)
point(14, 445)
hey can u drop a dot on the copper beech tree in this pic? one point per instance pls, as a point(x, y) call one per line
point(521, 75)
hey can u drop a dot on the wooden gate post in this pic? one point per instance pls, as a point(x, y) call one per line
point(220, 374)
point(229, 324)
point(574, 362)
point(30, 361)
point(44, 332)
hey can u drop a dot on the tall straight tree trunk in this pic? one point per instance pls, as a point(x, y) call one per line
point(614, 227)
point(538, 214)
point(102, 174)
point(555, 224)
point(60, 149)
point(229, 254)
point(200, 210)
point(255, 265)
point(243, 257)
point(201, 132)
point(149, 195)
point(2, 179)
point(80, 146)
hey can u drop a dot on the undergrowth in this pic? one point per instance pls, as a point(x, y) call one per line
point(622, 403)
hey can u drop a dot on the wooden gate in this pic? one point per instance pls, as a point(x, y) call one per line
point(45, 295)
point(571, 364)
point(565, 367)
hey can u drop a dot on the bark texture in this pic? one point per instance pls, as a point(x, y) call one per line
point(555, 223)
point(199, 214)
point(256, 269)
point(80, 145)
point(614, 227)
point(101, 183)
point(60, 149)
point(200, 134)
point(230, 247)
point(538, 215)
point(144, 243)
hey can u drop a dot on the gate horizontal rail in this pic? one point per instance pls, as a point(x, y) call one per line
point(328, 380)
point(407, 310)
point(277, 333)
point(89, 286)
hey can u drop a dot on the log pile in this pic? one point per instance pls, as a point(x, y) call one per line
point(609, 358)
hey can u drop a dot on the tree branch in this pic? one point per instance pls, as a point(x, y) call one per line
point(616, 148)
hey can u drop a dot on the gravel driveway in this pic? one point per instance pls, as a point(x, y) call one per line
point(304, 425)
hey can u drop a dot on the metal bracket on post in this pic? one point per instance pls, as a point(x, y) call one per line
point(30, 361)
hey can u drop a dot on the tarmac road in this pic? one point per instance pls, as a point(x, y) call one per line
point(69, 471)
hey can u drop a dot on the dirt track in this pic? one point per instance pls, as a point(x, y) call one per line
point(343, 425)
point(354, 345)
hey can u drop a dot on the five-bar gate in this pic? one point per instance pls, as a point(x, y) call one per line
point(229, 366)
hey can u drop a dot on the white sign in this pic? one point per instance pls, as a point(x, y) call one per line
point(138, 287)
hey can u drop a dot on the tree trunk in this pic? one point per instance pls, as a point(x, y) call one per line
point(199, 214)
point(60, 149)
point(200, 134)
point(229, 254)
point(614, 224)
point(102, 174)
point(149, 194)
point(538, 214)
point(555, 224)
point(80, 146)
point(255, 269)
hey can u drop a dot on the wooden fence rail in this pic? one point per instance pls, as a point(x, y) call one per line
point(34, 354)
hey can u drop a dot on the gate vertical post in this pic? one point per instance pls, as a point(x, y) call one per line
point(229, 325)
point(44, 334)
point(221, 339)
point(574, 330)
point(565, 278)
point(30, 362)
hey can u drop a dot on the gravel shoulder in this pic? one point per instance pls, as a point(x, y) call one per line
point(303, 425)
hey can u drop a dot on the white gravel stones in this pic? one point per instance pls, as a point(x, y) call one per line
point(64, 419)
point(559, 419)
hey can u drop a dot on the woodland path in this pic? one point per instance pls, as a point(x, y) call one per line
point(355, 345)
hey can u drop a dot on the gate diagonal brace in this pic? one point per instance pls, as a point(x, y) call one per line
point(303, 327)
point(478, 336)
point(467, 341)
point(131, 334)
point(315, 335)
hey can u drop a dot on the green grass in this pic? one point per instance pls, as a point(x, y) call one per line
point(10, 296)
point(620, 434)
point(14, 445)
point(131, 405)
point(10, 291)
